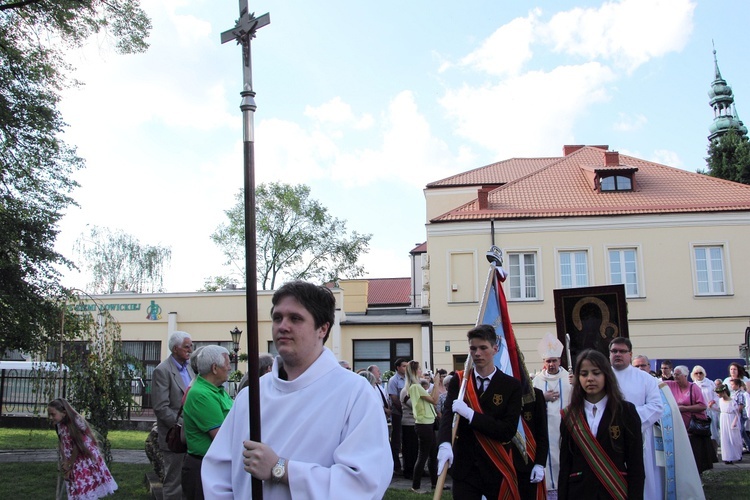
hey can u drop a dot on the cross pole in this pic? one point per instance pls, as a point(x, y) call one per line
point(243, 32)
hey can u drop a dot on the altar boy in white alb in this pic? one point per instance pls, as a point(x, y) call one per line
point(323, 432)
point(641, 389)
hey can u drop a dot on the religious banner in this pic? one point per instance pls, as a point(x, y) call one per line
point(592, 316)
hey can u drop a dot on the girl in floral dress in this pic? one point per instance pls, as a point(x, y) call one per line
point(86, 475)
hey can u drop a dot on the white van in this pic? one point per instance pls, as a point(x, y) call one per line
point(31, 365)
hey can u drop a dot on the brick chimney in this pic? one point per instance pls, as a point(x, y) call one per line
point(611, 158)
point(569, 149)
point(483, 195)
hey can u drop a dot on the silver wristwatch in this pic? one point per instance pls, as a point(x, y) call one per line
point(277, 473)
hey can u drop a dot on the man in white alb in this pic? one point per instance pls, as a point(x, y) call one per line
point(554, 383)
point(641, 389)
point(323, 432)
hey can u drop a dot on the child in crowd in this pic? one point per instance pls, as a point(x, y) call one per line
point(83, 468)
point(601, 450)
point(740, 396)
point(729, 426)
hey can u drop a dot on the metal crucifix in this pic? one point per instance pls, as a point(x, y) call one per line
point(243, 32)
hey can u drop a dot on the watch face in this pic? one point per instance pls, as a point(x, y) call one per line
point(278, 470)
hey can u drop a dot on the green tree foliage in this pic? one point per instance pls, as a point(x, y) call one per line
point(36, 165)
point(118, 261)
point(729, 157)
point(216, 283)
point(296, 238)
point(100, 374)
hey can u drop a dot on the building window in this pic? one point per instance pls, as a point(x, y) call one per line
point(709, 270)
point(522, 276)
point(380, 352)
point(616, 183)
point(574, 269)
point(227, 344)
point(623, 269)
point(147, 352)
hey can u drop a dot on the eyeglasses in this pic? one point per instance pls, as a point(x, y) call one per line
point(642, 365)
point(698, 373)
point(619, 351)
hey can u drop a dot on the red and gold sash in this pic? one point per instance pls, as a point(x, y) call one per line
point(601, 463)
point(500, 457)
point(541, 488)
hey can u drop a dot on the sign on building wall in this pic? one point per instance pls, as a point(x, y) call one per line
point(153, 310)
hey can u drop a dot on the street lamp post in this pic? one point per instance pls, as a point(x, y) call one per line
point(236, 336)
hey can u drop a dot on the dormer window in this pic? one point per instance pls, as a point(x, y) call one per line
point(615, 182)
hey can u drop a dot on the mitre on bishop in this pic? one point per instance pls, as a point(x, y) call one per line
point(550, 347)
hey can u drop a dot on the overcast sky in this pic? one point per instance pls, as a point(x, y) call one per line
point(367, 102)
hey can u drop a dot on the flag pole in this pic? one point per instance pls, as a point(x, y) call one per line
point(468, 366)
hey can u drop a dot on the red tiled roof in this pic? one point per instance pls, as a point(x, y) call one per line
point(495, 173)
point(561, 188)
point(388, 291)
point(421, 248)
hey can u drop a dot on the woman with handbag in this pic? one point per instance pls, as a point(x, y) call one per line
point(689, 398)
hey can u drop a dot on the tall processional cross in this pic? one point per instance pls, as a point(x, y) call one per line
point(243, 32)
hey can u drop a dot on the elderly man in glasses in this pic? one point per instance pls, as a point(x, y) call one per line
point(641, 362)
point(641, 389)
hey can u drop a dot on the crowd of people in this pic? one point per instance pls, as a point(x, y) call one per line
point(608, 428)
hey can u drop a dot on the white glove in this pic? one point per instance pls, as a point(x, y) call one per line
point(463, 409)
point(445, 456)
point(537, 474)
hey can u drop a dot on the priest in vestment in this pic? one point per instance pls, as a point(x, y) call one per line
point(641, 389)
point(554, 382)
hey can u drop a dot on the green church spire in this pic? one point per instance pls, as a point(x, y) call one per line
point(722, 101)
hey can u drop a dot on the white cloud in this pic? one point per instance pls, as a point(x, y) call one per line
point(334, 111)
point(337, 112)
point(290, 152)
point(531, 114)
point(667, 157)
point(409, 152)
point(629, 32)
point(629, 123)
point(405, 148)
point(507, 49)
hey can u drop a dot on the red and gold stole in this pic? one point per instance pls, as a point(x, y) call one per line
point(501, 458)
point(601, 463)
